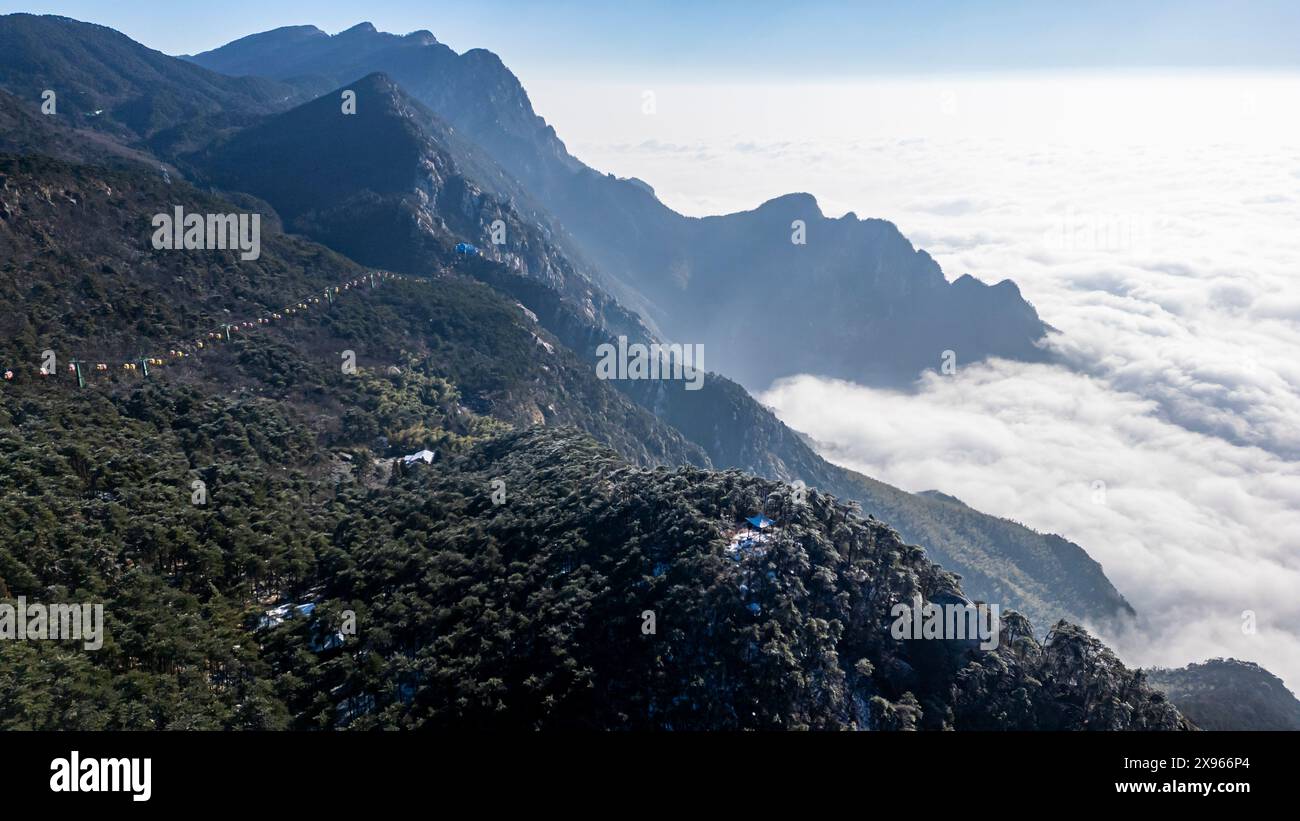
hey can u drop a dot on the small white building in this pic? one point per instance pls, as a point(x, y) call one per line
point(425, 456)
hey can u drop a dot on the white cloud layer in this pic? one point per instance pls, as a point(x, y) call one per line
point(1193, 529)
point(1153, 219)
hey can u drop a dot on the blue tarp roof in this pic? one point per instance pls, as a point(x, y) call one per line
point(759, 521)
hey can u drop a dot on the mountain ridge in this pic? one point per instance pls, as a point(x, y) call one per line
point(666, 266)
point(107, 81)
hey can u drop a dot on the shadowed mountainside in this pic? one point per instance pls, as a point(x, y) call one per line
point(104, 80)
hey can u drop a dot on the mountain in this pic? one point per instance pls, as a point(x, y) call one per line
point(1044, 576)
point(104, 80)
point(436, 188)
point(24, 130)
point(76, 260)
point(407, 212)
point(392, 186)
point(473, 91)
point(1226, 694)
point(855, 301)
point(602, 597)
point(229, 609)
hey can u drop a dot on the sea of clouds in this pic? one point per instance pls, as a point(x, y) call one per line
point(1154, 219)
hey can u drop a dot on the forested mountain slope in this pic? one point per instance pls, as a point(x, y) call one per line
point(599, 595)
point(104, 80)
point(253, 476)
point(77, 265)
point(1227, 694)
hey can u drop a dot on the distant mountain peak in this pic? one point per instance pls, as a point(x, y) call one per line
point(640, 183)
point(424, 37)
point(946, 497)
point(1004, 289)
point(361, 28)
point(798, 203)
point(305, 29)
point(1008, 286)
point(483, 55)
point(378, 81)
point(278, 37)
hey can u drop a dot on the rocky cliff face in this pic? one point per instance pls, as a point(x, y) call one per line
point(391, 186)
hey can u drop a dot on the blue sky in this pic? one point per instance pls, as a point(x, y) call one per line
point(760, 37)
